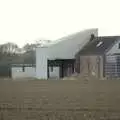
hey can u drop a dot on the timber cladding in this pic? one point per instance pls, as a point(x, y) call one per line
point(91, 65)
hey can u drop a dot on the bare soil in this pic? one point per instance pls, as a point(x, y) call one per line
point(60, 100)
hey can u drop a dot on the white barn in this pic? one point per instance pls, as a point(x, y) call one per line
point(52, 59)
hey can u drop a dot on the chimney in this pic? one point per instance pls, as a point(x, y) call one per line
point(92, 37)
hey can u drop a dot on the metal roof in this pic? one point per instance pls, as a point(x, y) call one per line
point(99, 45)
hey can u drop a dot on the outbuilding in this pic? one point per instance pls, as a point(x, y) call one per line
point(57, 59)
point(100, 57)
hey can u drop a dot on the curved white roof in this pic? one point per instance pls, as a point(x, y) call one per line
point(67, 47)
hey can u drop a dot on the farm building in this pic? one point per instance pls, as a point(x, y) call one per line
point(100, 57)
point(23, 71)
point(58, 59)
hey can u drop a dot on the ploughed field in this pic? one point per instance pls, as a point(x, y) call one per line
point(60, 100)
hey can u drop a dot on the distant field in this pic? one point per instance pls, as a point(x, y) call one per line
point(60, 100)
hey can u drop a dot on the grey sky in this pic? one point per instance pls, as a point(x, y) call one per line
point(30, 20)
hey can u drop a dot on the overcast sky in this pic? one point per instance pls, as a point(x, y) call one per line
point(30, 20)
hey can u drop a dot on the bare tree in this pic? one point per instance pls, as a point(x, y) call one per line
point(31, 47)
point(9, 48)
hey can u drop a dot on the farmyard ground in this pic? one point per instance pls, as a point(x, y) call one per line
point(60, 100)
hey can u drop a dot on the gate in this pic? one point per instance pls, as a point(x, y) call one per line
point(5, 71)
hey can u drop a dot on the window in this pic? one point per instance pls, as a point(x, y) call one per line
point(119, 46)
point(51, 68)
point(99, 44)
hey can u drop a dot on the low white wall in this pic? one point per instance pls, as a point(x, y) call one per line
point(17, 72)
point(55, 73)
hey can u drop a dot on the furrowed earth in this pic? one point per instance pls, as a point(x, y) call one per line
point(59, 99)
